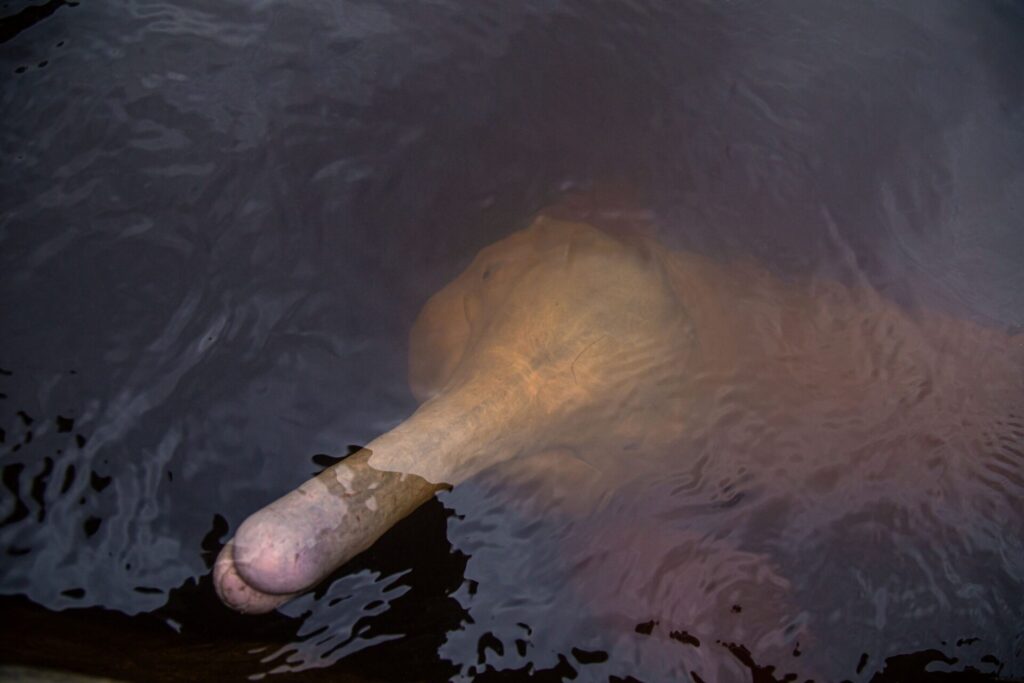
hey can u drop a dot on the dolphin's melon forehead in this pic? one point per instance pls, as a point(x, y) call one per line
point(556, 237)
point(572, 257)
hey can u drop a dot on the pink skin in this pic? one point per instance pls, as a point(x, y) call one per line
point(293, 543)
point(563, 337)
point(236, 592)
point(538, 331)
point(290, 545)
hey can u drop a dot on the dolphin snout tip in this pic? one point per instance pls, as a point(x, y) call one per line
point(237, 593)
point(274, 558)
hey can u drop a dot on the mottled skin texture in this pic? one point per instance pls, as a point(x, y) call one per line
point(550, 326)
point(564, 339)
point(349, 501)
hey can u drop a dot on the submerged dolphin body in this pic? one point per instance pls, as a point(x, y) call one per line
point(555, 324)
point(568, 341)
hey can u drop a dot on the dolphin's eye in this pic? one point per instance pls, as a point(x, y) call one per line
point(490, 270)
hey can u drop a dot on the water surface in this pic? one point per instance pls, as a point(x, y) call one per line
point(219, 222)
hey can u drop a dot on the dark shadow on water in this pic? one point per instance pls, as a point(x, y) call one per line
point(194, 637)
point(12, 25)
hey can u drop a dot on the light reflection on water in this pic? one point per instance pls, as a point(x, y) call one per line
point(219, 223)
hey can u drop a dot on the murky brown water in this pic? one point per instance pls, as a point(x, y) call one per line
point(219, 224)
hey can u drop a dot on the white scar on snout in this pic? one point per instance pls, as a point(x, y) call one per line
point(345, 477)
point(371, 503)
point(318, 516)
point(312, 487)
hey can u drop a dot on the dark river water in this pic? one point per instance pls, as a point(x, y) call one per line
point(220, 220)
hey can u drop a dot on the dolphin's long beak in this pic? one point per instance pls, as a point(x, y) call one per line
point(293, 543)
